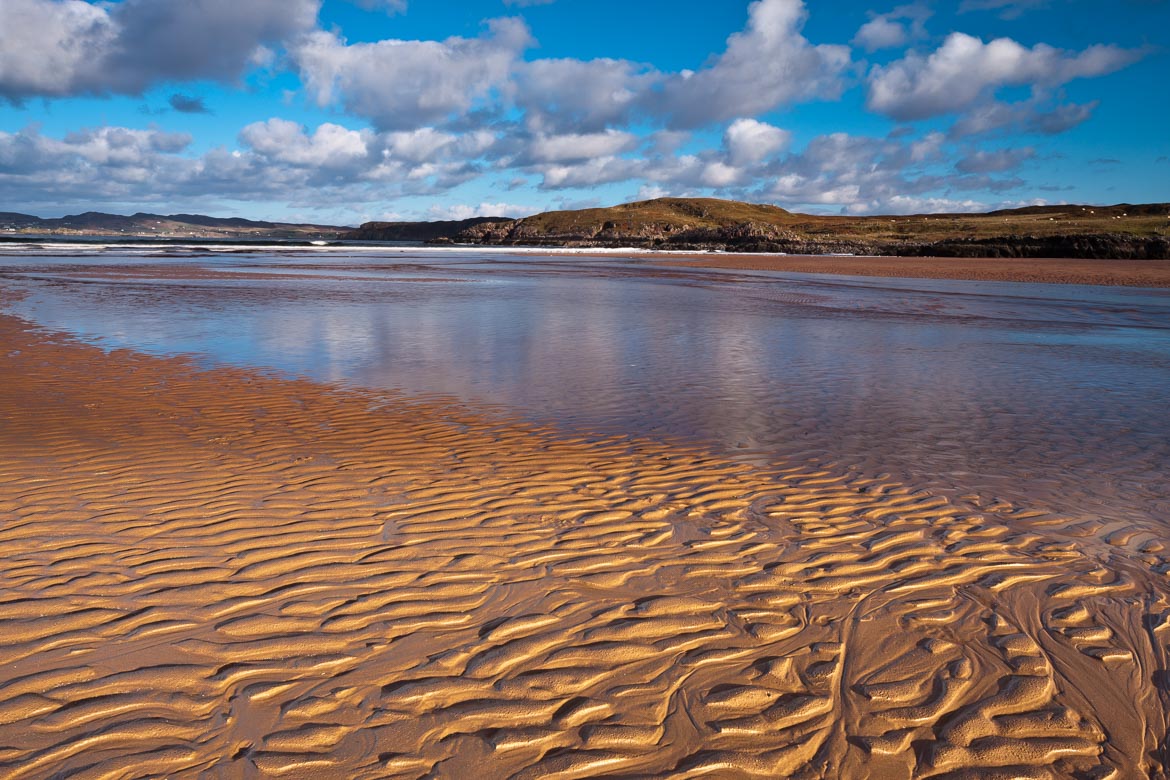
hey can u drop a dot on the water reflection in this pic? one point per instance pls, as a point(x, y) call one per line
point(1053, 393)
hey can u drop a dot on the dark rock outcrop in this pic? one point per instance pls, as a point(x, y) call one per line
point(418, 231)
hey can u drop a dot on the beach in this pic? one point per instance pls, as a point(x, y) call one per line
point(215, 570)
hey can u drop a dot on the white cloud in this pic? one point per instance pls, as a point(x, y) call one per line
point(461, 211)
point(402, 84)
point(896, 28)
point(579, 146)
point(749, 141)
point(767, 65)
point(115, 152)
point(46, 46)
point(719, 175)
point(906, 204)
point(652, 192)
point(405, 84)
point(55, 48)
point(583, 95)
point(965, 69)
point(590, 173)
point(330, 145)
point(1032, 116)
point(120, 146)
point(881, 32)
point(278, 160)
point(97, 163)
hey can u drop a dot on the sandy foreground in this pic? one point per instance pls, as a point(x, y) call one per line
point(1125, 273)
point(220, 573)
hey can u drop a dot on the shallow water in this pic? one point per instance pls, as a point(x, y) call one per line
point(1052, 396)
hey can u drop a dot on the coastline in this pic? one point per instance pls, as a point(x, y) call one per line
point(222, 570)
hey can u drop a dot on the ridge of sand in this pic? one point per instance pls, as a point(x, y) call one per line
point(215, 573)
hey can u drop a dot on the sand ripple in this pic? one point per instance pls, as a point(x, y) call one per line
point(217, 573)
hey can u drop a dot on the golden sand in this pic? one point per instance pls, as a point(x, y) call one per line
point(218, 573)
point(1125, 273)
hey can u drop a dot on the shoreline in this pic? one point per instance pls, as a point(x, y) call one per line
point(219, 570)
point(1153, 274)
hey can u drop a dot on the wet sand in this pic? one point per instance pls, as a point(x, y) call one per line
point(1124, 273)
point(214, 573)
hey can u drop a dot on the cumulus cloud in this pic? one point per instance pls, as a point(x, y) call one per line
point(199, 39)
point(837, 170)
point(46, 46)
point(965, 69)
point(329, 146)
point(590, 173)
point(405, 84)
point(893, 29)
point(1032, 116)
point(881, 32)
point(749, 141)
point(54, 48)
point(579, 146)
point(766, 65)
point(103, 163)
point(277, 160)
point(559, 94)
point(860, 174)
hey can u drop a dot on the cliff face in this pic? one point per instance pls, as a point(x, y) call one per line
point(1091, 246)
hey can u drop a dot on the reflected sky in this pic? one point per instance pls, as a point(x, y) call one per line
point(1047, 393)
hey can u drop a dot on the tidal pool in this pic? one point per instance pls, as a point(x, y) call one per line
point(1053, 396)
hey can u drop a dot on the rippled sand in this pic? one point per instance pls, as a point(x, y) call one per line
point(214, 573)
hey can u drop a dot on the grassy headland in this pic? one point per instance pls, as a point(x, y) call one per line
point(690, 224)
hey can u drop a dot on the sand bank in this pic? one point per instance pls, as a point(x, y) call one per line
point(221, 573)
point(1125, 273)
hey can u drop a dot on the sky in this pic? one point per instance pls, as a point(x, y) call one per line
point(345, 111)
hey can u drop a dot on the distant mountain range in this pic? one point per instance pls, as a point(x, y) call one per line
point(686, 224)
point(96, 223)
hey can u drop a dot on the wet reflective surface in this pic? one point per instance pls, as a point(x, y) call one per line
point(1055, 394)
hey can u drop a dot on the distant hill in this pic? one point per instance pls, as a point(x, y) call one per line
point(687, 224)
point(417, 231)
point(96, 223)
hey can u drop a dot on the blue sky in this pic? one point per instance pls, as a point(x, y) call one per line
point(343, 111)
